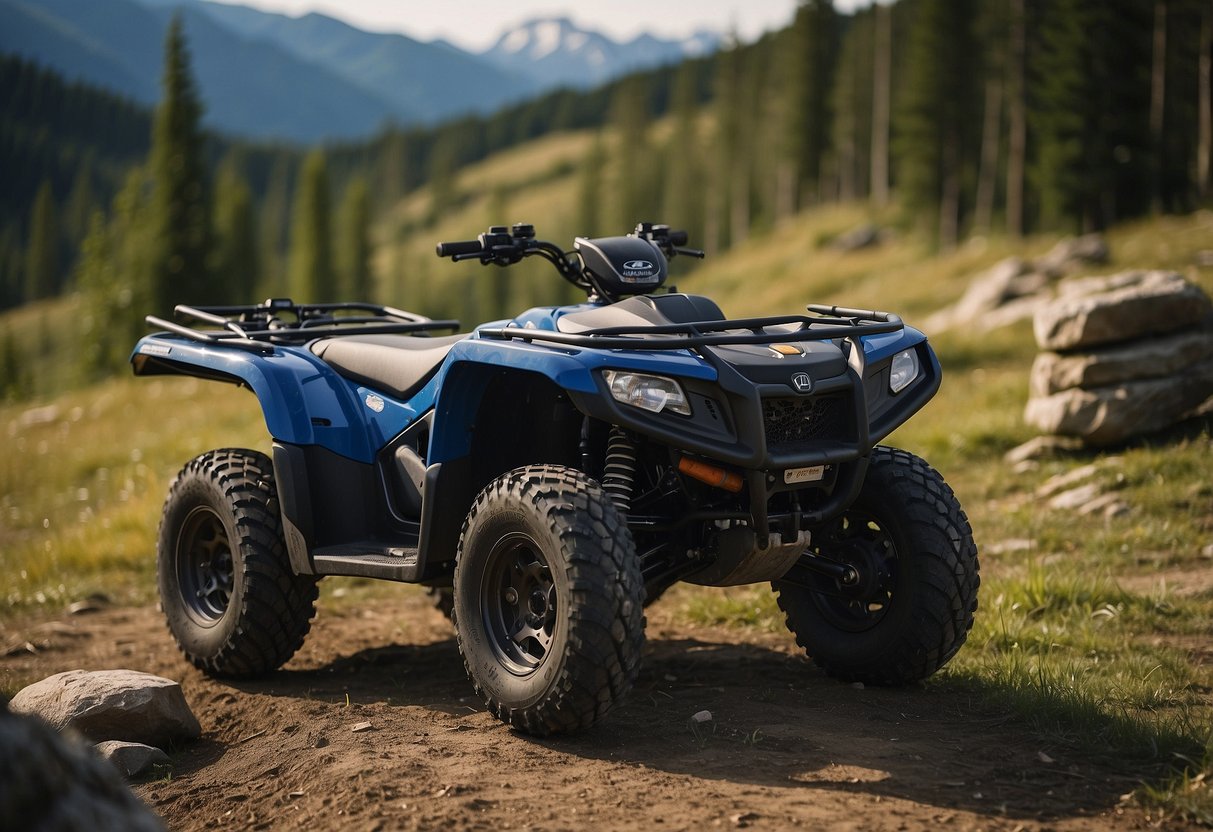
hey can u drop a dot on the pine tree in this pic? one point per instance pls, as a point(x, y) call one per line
point(882, 84)
point(852, 107)
point(81, 202)
point(236, 262)
point(181, 213)
point(274, 224)
point(353, 241)
point(682, 203)
point(938, 111)
point(1090, 111)
point(813, 46)
point(42, 252)
point(635, 185)
point(591, 182)
point(312, 278)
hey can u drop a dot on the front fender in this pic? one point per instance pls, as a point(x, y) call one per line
point(462, 380)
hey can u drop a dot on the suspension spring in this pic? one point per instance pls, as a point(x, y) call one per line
point(619, 472)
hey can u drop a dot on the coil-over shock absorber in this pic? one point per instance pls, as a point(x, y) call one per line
point(619, 472)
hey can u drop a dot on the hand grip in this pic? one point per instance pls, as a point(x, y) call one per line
point(459, 247)
point(678, 238)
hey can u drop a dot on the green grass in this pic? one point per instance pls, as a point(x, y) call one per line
point(1089, 629)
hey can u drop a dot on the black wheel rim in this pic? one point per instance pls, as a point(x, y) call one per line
point(859, 540)
point(204, 566)
point(518, 599)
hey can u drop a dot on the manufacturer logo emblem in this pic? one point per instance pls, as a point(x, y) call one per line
point(638, 265)
point(802, 382)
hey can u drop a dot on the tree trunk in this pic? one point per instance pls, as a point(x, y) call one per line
point(949, 202)
point(991, 131)
point(1018, 139)
point(880, 105)
point(1204, 147)
point(1158, 93)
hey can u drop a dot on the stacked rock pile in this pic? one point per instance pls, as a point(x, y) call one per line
point(1122, 356)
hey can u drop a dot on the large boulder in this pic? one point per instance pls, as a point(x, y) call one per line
point(1099, 311)
point(1110, 415)
point(111, 705)
point(1160, 357)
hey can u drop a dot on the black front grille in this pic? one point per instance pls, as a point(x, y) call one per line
point(789, 422)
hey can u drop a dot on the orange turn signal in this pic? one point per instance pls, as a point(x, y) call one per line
point(710, 474)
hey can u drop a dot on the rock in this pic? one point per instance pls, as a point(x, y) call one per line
point(1014, 544)
point(1073, 253)
point(1109, 505)
point(1040, 447)
point(1120, 308)
point(860, 237)
point(53, 781)
point(362, 727)
point(131, 758)
point(1075, 498)
point(1144, 359)
point(1110, 415)
point(1063, 481)
point(701, 716)
point(111, 705)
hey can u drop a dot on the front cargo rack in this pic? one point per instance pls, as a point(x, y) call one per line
point(827, 324)
point(282, 321)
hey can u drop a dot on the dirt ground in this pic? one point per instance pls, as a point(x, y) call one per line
point(786, 747)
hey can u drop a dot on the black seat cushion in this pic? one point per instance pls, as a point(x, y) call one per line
point(650, 310)
point(396, 364)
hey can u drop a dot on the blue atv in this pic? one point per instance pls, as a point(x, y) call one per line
point(550, 475)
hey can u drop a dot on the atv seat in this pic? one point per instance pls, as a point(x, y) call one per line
point(642, 311)
point(396, 364)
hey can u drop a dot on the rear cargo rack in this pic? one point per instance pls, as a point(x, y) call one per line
point(259, 326)
point(827, 324)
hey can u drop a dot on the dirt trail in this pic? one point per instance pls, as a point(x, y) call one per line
point(786, 747)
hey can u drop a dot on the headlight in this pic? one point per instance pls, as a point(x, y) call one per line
point(651, 393)
point(903, 371)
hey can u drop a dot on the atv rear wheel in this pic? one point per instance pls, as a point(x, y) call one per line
point(231, 600)
point(911, 607)
point(548, 600)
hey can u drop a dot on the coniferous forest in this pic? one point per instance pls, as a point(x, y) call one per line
point(960, 117)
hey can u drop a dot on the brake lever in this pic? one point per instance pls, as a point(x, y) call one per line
point(474, 255)
point(688, 252)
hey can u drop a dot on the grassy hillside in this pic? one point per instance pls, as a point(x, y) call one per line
point(1094, 629)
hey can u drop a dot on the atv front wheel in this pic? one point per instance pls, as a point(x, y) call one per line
point(232, 602)
point(911, 607)
point(548, 600)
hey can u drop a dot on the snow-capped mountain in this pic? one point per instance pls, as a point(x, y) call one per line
point(556, 51)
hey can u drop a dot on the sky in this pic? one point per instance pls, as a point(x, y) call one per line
point(476, 24)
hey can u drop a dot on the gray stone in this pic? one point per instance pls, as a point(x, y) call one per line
point(1041, 446)
point(1121, 308)
point(860, 237)
point(1073, 253)
point(1110, 415)
point(111, 705)
point(1075, 498)
point(1063, 481)
point(1147, 358)
point(131, 758)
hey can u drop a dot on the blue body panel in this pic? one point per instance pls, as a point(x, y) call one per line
point(306, 402)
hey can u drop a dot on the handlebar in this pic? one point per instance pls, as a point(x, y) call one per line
point(507, 245)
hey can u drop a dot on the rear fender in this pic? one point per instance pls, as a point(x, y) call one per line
point(304, 402)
